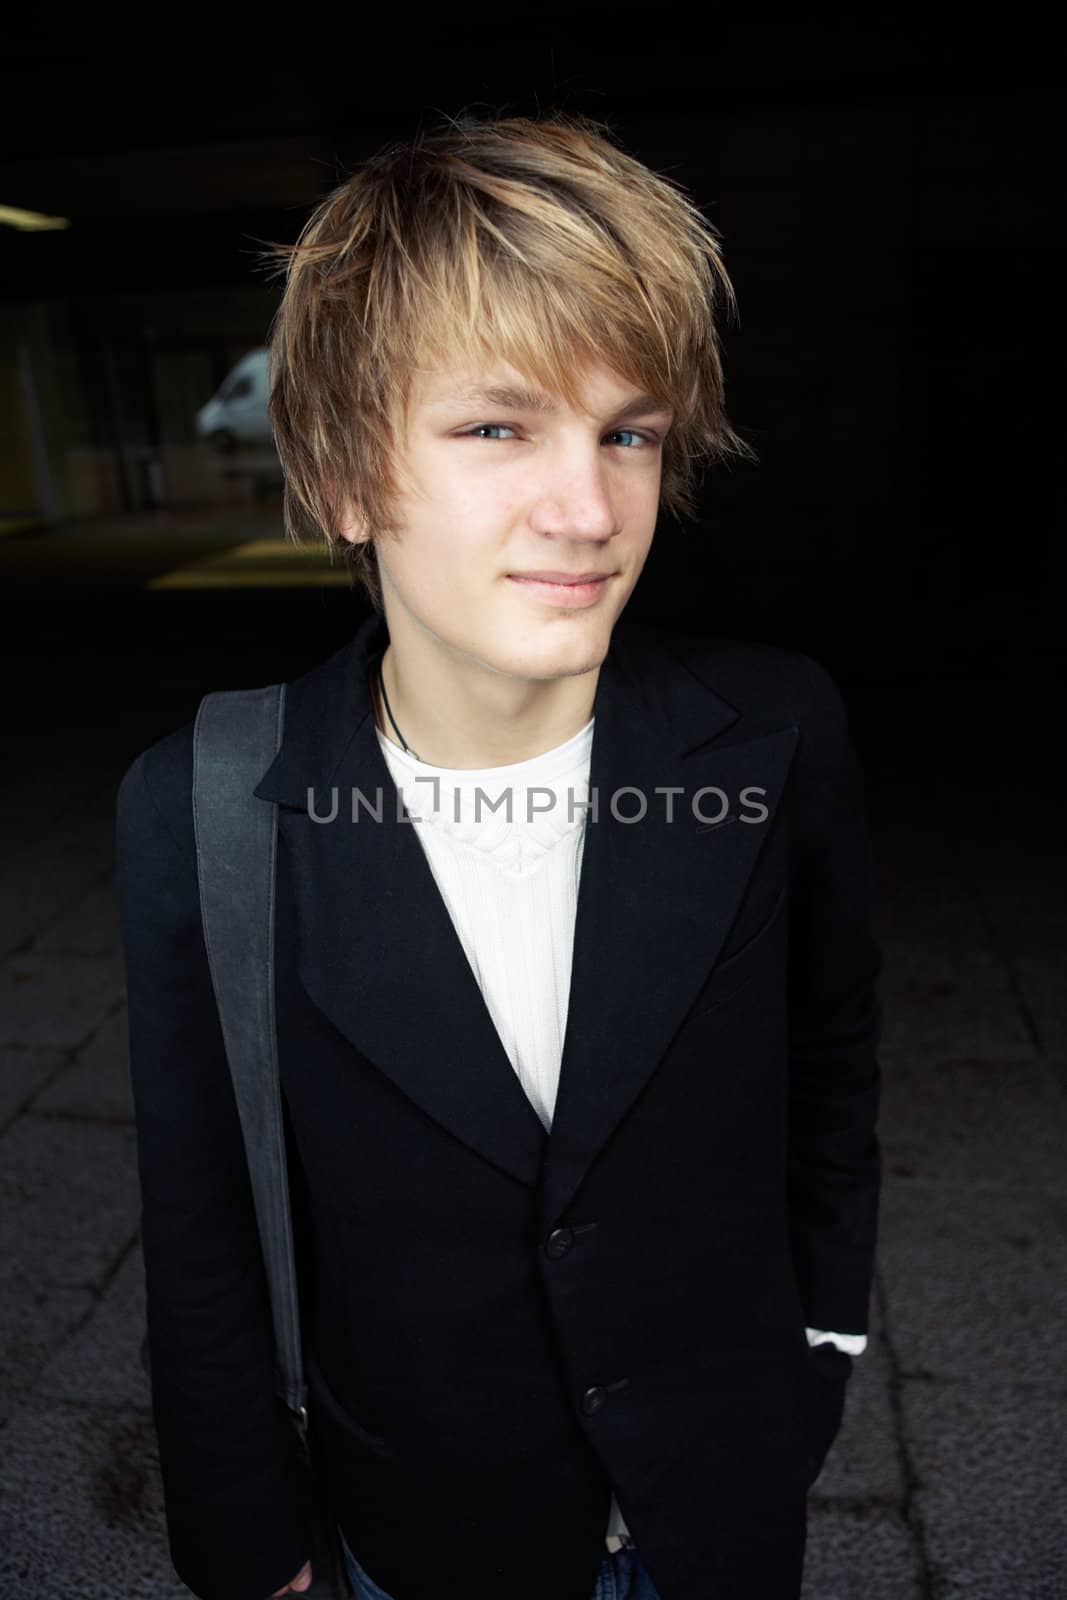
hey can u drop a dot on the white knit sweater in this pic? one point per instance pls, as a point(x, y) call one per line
point(511, 888)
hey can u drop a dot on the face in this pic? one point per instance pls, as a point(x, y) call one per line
point(510, 495)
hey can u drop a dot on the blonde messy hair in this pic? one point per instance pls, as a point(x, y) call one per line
point(537, 242)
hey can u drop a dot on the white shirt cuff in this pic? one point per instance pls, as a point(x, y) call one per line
point(852, 1344)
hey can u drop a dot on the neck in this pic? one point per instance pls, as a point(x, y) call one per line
point(466, 717)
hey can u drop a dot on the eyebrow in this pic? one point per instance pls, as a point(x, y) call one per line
point(519, 398)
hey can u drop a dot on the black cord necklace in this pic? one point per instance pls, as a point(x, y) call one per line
point(389, 710)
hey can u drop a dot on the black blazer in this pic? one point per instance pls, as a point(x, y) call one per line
point(501, 1324)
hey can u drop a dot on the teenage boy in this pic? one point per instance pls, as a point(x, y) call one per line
point(575, 976)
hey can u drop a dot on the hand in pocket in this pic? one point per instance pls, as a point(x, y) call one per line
point(830, 1368)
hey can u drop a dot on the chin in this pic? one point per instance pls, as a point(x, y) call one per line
point(565, 658)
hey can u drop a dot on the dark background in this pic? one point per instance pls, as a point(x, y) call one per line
point(890, 215)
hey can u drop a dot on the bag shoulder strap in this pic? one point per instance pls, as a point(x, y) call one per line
point(236, 735)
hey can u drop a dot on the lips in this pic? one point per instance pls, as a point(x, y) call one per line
point(568, 591)
point(560, 577)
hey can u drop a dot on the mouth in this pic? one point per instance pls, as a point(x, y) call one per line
point(558, 588)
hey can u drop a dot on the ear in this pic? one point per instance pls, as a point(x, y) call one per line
point(352, 524)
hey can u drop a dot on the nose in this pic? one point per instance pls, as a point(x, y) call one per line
point(576, 498)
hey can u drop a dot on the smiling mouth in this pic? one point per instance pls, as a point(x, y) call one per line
point(569, 593)
point(560, 579)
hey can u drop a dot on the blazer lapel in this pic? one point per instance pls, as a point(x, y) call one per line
point(656, 897)
point(377, 950)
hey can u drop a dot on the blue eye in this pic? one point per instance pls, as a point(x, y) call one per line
point(487, 427)
point(487, 430)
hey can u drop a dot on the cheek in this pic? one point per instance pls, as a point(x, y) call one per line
point(639, 494)
point(444, 550)
point(482, 510)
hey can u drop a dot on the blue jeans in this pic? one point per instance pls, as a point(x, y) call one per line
point(621, 1577)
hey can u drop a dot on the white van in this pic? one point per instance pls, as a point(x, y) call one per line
point(237, 414)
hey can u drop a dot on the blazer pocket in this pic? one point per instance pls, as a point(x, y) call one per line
point(729, 977)
point(322, 1399)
